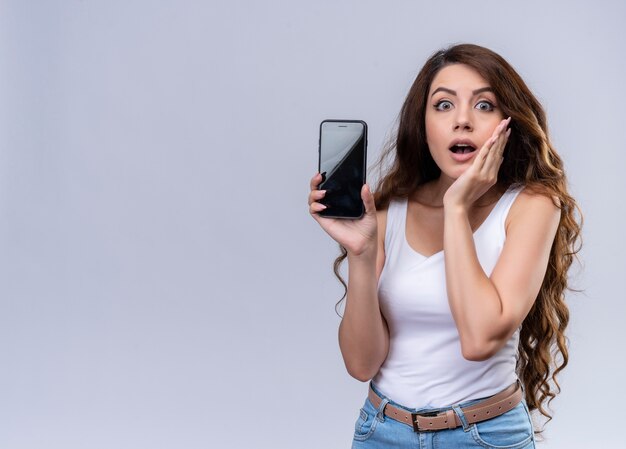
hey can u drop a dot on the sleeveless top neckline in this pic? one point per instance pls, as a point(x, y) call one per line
point(404, 203)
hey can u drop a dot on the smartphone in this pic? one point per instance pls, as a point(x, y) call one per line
point(342, 162)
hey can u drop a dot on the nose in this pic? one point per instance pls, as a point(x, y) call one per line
point(463, 125)
point(462, 120)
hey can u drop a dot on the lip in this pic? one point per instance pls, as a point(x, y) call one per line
point(462, 157)
point(462, 142)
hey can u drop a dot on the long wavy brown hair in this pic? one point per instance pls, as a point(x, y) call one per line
point(530, 160)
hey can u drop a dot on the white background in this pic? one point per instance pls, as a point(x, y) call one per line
point(161, 282)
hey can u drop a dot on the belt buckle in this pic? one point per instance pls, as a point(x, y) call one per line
point(416, 427)
point(414, 416)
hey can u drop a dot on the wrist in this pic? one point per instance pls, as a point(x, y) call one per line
point(364, 254)
point(455, 209)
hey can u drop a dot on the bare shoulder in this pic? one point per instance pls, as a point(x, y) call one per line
point(532, 207)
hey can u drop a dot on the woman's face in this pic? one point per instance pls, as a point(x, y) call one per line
point(461, 114)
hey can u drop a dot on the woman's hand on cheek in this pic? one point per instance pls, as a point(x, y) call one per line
point(482, 174)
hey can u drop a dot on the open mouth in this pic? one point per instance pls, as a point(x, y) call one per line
point(462, 149)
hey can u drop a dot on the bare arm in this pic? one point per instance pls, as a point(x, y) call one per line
point(487, 310)
point(363, 332)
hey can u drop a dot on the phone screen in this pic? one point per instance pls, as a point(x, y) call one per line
point(342, 151)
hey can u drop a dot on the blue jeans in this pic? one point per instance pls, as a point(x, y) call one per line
point(511, 430)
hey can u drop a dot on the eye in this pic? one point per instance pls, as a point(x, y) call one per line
point(485, 106)
point(443, 105)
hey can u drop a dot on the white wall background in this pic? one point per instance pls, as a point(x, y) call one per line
point(161, 282)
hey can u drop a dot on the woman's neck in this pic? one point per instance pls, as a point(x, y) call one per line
point(431, 194)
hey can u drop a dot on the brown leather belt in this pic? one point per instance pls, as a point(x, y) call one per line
point(481, 411)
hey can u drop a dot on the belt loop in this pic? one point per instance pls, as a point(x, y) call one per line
point(461, 416)
point(380, 415)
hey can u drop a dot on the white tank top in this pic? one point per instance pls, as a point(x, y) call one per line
point(425, 367)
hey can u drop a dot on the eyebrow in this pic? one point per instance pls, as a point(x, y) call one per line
point(453, 92)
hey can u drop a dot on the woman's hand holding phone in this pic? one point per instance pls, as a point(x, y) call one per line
point(356, 236)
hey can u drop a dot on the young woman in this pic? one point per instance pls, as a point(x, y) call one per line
point(455, 297)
